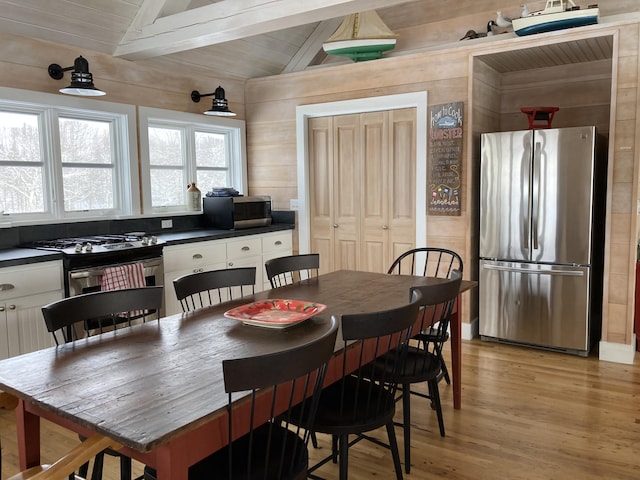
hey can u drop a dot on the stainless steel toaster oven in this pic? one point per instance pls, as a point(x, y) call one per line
point(228, 213)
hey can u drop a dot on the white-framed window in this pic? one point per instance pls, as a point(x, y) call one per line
point(63, 159)
point(179, 148)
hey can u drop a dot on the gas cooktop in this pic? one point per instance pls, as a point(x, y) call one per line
point(96, 244)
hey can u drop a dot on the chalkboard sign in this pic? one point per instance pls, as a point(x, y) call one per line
point(445, 159)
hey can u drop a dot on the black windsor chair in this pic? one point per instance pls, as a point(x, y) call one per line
point(360, 403)
point(79, 316)
point(274, 447)
point(429, 262)
point(198, 290)
point(421, 361)
point(292, 269)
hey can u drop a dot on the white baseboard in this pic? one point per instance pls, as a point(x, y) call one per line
point(470, 330)
point(618, 352)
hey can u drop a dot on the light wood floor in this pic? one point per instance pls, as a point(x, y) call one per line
point(526, 414)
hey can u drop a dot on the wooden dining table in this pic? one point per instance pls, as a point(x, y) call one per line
point(158, 389)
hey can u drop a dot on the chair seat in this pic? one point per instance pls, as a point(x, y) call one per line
point(419, 366)
point(356, 414)
point(287, 445)
point(432, 335)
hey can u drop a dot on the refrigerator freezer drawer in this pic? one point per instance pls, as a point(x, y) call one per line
point(540, 305)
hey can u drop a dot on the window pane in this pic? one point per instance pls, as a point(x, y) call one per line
point(87, 189)
point(21, 190)
point(208, 179)
point(168, 187)
point(85, 141)
point(210, 150)
point(165, 146)
point(19, 137)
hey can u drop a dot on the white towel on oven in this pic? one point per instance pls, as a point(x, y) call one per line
point(129, 275)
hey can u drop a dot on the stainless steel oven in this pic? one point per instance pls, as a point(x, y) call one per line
point(86, 258)
point(89, 279)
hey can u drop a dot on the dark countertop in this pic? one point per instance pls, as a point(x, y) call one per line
point(191, 236)
point(10, 257)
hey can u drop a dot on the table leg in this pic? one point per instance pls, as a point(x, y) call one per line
point(28, 430)
point(169, 465)
point(456, 354)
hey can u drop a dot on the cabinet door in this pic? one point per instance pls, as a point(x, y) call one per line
point(182, 260)
point(375, 191)
point(273, 246)
point(26, 330)
point(246, 252)
point(171, 303)
point(401, 176)
point(321, 191)
point(347, 177)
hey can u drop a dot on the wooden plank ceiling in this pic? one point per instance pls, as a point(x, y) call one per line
point(254, 38)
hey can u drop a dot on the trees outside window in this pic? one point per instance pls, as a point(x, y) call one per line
point(63, 161)
point(180, 148)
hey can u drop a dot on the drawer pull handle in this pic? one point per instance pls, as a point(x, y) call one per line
point(197, 256)
point(231, 264)
point(278, 242)
point(246, 249)
point(1, 309)
point(12, 307)
point(6, 286)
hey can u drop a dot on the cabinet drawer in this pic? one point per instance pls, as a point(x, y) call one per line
point(30, 279)
point(245, 247)
point(279, 242)
point(183, 257)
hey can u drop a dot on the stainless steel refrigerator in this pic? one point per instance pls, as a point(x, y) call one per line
point(541, 237)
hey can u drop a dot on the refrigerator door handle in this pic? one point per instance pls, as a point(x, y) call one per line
point(570, 273)
point(535, 209)
point(526, 220)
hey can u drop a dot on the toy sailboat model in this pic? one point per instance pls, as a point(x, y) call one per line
point(557, 15)
point(361, 36)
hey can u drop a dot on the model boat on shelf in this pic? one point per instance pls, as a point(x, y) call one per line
point(361, 36)
point(557, 15)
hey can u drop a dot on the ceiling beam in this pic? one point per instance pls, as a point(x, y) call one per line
point(310, 48)
point(228, 20)
point(150, 10)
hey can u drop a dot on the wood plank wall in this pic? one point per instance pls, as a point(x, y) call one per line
point(447, 76)
point(24, 62)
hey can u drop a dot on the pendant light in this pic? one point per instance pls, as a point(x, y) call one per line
point(220, 106)
point(81, 78)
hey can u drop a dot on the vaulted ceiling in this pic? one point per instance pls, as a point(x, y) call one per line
point(244, 39)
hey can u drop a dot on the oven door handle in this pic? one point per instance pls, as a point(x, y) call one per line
point(87, 273)
point(98, 272)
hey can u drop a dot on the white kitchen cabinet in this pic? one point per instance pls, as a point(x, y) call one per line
point(236, 252)
point(23, 291)
point(246, 252)
point(182, 260)
point(274, 245)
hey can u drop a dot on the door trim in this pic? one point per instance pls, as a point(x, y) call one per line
point(417, 100)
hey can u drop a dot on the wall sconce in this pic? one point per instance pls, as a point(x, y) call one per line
point(81, 78)
point(220, 106)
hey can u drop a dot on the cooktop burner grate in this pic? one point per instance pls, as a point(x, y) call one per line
point(62, 243)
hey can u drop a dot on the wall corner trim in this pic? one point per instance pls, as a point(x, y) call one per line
point(618, 352)
point(470, 330)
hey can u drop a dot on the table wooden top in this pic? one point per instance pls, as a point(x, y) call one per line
point(145, 385)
